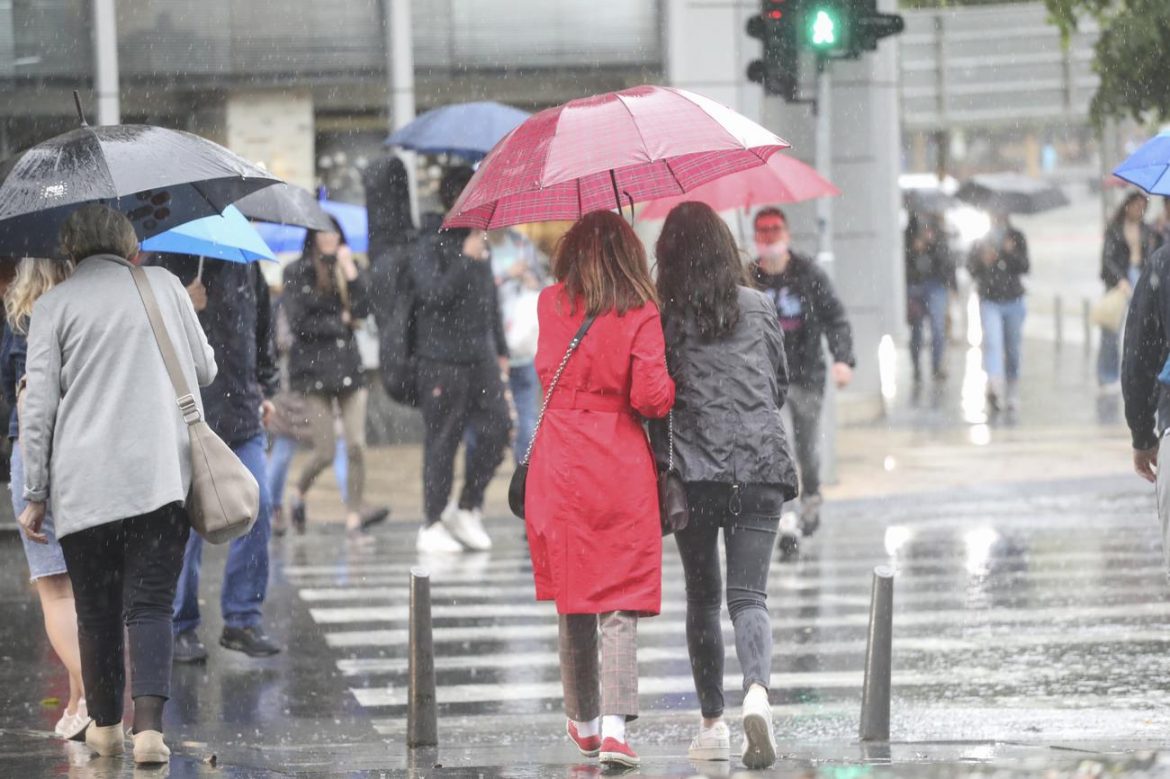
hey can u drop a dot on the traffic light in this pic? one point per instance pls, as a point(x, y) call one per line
point(873, 25)
point(842, 29)
point(776, 27)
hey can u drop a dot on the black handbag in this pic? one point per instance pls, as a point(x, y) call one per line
point(672, 491)
point(518, 486)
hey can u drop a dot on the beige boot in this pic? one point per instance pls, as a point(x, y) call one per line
point(150, 748)
point(106, 741)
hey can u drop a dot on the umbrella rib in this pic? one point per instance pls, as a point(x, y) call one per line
point(637, 129)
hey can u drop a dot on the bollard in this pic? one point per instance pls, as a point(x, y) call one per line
point(1058, 321)
point(1087, 320)
point(422, 728)
point(875, 692)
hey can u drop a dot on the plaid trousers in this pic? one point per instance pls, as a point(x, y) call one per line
point(611, 687)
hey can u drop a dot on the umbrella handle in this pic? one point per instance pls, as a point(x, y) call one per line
point(199, 275)
point(630, 197)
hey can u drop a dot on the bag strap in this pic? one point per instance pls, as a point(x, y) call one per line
point(581, 331)
point(183, 396)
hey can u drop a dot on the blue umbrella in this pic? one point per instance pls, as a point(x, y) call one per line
point(469, 130)
point(228, 237)
point(1147, 167)
point(354, 226)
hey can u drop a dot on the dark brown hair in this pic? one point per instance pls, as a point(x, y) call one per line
point(699, 270)
point(603, 265)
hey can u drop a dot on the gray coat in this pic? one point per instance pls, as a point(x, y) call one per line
point(101, 432)
point(728, 396)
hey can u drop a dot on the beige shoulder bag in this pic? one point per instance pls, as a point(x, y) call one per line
point(224, 500)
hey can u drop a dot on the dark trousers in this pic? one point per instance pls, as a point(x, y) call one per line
point(454, 397)
point(804, 406)
point(124, 573)
point(749, 524)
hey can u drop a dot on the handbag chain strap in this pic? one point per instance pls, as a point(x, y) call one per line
point(552, 385)
point(670, 440)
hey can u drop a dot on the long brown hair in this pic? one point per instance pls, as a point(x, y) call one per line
point(603, 265)
point(699, 270)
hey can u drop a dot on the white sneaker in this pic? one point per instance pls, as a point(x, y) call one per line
point(466, 525)
point(759, 742)
point(434, 539)
point(713, 743)
point(70, 726)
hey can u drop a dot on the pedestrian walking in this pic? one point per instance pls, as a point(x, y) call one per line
point(1129, 242)
point(461, 355)
point(324, 297)
point(930, 279)
point(996, 263)
point(726, 355)
point(234, 310)
point(101, 433)
point(810, 314)
point(46, 562)
point(597, 550)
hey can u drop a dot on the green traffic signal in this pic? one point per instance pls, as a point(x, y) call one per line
point(823, 32)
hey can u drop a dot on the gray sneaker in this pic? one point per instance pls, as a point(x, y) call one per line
point(188, 648)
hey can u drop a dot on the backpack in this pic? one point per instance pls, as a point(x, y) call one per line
point(392, 303)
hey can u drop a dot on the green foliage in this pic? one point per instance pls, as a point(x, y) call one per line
point(1131, 55)
point(953, 3)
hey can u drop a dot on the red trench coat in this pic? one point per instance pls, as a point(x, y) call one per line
point(592, 490)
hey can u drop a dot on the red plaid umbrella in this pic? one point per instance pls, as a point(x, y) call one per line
point(783, 179)
point(591, 154)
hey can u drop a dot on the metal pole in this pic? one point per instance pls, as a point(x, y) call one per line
point(400, 82)
point(1087, 323)
point(822, 161)
point(1058, 321)
point(875, 692)
point(105, 62)
point(422, 729)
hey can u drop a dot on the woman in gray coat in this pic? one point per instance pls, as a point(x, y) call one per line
point(104, 439)
point(725, 352)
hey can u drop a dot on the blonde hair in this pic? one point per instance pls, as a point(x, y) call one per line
point(94, 229)
point(34, 277)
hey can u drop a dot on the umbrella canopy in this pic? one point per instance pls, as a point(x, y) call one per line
point(354, 226)
point(638, 144)
point(1148, 166)
point(782, 179)
point(224, 237)
point(469, 130)
point(1011, 193)
point(159, 178)
point(285, 204)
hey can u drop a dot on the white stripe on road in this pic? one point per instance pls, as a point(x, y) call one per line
point(965, 617)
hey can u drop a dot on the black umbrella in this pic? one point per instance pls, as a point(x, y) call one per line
point(1011, 193)
point(928, 201)
point(285, 204)
point(159, 178)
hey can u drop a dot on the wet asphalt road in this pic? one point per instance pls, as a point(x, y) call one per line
point(1032, 624)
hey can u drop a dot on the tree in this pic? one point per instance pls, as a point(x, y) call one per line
point(1131, 55)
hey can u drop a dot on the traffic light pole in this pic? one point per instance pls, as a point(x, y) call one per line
point(822, 161)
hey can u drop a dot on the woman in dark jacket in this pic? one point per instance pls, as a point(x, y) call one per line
point(324, 296)
point(725, 352)
point(1129, 242)
point(930, 277)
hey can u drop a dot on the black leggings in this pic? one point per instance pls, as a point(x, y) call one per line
point(748, 516)
point(125, 572)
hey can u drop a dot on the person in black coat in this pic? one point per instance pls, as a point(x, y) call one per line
point(930, 278)
point(996, 263)
point(810, 315)
point(324, 297)
point(1145, 353)
point(1129, 242)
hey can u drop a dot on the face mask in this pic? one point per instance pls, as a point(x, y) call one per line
point(772, 251)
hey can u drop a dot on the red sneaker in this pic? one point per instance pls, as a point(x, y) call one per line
point(614, 752)
point(589, 745)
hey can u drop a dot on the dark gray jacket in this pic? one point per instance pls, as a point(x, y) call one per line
point(728, 396)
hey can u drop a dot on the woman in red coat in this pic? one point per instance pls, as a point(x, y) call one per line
point(592, 499)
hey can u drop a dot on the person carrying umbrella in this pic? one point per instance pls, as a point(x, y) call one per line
point(809, 311)
point(996, 263)
point(1129, 242)
point(930, 279)
point(231, 300)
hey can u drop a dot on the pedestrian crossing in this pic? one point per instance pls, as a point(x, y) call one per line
point(1028, 623)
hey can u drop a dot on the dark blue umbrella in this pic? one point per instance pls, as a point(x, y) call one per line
point(1149, 165)
point(469, 130)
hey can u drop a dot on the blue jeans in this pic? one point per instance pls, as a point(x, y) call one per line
point(525, 386)
point(245, 577)
point(280, 459)
point(1003, 328)
point(931, 297)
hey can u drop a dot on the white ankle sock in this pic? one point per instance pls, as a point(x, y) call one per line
point(613, 726)
point(587, 729)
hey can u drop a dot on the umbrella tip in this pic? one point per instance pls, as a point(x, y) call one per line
point(80, 113)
